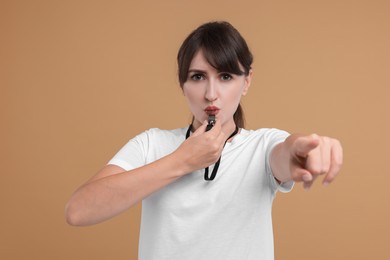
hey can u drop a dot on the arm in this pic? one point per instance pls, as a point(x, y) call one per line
point(303, 158)
point(113, 190)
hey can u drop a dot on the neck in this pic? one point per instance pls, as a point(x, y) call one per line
point(229, 127)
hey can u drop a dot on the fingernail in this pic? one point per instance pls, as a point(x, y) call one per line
point(325, 183)
point(306, 187)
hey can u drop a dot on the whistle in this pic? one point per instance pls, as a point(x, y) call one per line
point(211, 122)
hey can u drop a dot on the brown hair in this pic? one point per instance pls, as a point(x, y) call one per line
point(224, 49)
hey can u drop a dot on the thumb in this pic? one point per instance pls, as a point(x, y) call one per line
point(305, 144)
point(301, 175)
point(201, 129)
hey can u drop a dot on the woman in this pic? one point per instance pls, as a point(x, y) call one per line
point(206, 194)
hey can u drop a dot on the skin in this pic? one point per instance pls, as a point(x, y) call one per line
point(303, 158)
point(112, 190)
point(206, 86)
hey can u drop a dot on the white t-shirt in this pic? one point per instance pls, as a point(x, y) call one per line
point(227, 218)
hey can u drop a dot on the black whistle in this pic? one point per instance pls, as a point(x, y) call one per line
point(211, 122)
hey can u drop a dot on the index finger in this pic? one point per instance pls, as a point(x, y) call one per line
point(305, 144)
point(216, 129)
point(200, 129)
point(216, 132)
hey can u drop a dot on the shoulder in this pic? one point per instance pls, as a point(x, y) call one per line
point(156, 136)
point(148, 146)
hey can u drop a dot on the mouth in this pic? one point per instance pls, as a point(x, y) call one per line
point(211, 110)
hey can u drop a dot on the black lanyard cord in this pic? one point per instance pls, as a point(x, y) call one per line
point(216, 166)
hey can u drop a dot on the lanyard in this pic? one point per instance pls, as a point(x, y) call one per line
point(206, 170)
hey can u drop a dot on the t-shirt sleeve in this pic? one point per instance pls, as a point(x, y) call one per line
point(275, 137)
point(133, 154)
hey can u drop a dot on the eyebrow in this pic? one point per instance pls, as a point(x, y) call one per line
point(197, 71)
point(205, 72)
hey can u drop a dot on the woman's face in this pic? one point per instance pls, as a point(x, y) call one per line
point(212, 92)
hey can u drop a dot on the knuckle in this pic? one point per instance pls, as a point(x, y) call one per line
point(330, 178)
point(316, 171)
point(208, 137)
point(336, 142)
point(324, 169)
point(338, 162)
point(214, 147)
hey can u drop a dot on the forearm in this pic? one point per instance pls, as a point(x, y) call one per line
point(103, 198)
point(112, 191)
point(280, 159)
point(278, 166)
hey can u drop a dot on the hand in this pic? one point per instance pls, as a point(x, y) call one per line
point(202, 148)
point(313, 155)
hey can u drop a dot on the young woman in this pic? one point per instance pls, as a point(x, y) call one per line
point(206, 194)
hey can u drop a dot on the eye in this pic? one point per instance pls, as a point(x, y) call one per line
point(226, 76)
point(197, 77)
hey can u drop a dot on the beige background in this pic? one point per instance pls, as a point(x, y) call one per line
point(79, 78)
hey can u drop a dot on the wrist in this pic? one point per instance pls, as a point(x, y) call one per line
point(279, 162)
point(180, 162)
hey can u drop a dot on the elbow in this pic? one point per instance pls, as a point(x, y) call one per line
point(72, 214)
point(77, 214)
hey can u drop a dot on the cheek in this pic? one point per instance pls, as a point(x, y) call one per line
point(192, 94)
point(193, 98)
point(188, 96)
point(235, 94)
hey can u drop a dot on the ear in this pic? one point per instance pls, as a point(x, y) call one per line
point(247, 83)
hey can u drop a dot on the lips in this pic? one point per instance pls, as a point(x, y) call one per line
point(211, 110)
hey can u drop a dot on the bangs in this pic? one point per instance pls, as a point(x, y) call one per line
point(223, 48)
point(221, 54)
point(222, 61)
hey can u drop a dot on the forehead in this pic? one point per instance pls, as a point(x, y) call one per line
point(199, 62)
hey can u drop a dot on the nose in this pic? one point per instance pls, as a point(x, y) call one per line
point(211, 91)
